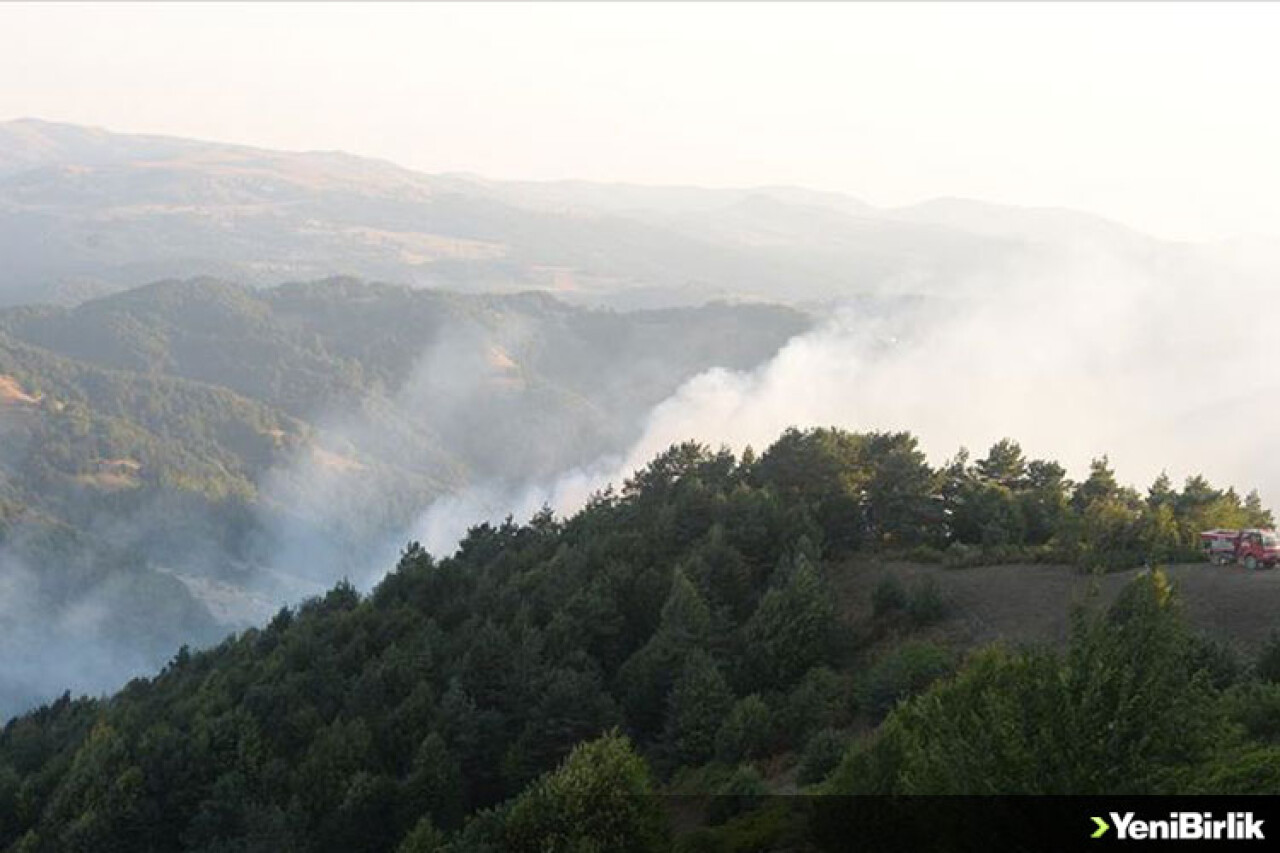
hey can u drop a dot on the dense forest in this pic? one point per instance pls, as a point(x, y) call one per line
point(680, 635)
point(211, 381)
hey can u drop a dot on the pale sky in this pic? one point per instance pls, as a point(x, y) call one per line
point(1162, 116)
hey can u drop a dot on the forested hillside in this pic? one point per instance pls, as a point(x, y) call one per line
point(202, 387)
point(678, 635)
point(166, 452)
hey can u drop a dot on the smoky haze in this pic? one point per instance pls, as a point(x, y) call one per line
point(1086, 340)
point(1159, 362)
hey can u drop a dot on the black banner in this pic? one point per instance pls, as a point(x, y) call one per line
point(989, 824)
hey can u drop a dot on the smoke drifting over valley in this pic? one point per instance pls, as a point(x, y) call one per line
point(1158, 362)
point(416, 415)
point(181, 460)
point(1096, 356)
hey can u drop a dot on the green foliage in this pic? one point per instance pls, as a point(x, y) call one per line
point(778, 825)
point(741, 792)
point(423, 838)
point(573, 708)
point(747, 732)
point(1125, 711)
point(925, 604)
point(925, 554)
point(821, 755)
point(699, 701)
point(594, 802)
point(434, 785)
point(1256, 707)
point(1005, 509)
point(821, 700)
point(646, 678)
point(1100, 485)
point(157, 413)
point(458, 682)
point(903, 673)
point(888, 596)
point(692, 610)
point(793, 628)
point(1267, 665)
point(863, 490)
point(1252, 771)
point(1220, 663)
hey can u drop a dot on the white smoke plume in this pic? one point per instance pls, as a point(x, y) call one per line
point(1161, 360)
point(1161, 363)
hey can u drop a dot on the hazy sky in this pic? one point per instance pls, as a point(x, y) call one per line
point(1163, 116)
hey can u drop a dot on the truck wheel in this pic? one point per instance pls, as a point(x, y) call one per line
point(1250, 563)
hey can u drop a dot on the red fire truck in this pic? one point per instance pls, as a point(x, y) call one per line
point(1252, 548)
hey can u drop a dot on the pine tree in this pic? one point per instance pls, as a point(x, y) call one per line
point(793, 628)
point(1004, 464)
point(646, 678)
point(696, 708)
point(595, 801)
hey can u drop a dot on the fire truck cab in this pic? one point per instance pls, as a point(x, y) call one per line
point(1258, 549)
point(1252, 548)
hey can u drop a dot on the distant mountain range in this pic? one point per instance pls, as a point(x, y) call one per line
point(85, 212)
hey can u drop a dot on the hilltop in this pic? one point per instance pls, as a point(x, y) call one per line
point(695, 631)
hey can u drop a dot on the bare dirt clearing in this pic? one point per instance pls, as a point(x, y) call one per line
point(1020, 604)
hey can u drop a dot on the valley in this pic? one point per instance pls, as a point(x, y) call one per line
point(239, 448)
point(653, 428)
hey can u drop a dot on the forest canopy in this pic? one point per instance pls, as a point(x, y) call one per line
point(679, 634)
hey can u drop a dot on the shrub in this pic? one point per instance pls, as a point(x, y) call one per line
point(593, 801)
point(821, 700)
point(924, 603)
point(746, 732)
point(1255, 771)
point(961, 556)
point(1125, 710)
point(1267, 666)
point(902, 674)
point(1256, 706)
point(741, 792)
point(1218, 660)
point(889, 596)
point(423, 838)
point(778, 825)
point(821, 755)
point(925, 554)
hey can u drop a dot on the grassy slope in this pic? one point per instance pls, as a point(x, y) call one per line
point(1029, 604)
